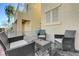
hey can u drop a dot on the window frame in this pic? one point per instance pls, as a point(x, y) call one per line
point(51, 18)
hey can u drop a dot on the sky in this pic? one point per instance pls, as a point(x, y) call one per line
point(3, 17)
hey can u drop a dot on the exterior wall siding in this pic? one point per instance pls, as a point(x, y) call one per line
point(33, 14)
point(68, 17)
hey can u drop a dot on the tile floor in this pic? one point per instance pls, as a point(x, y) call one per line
point(1, 51)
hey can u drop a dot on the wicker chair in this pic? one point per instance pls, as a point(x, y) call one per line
point(15, 47)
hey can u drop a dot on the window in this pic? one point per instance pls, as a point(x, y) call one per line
point(55, 15)
point(48, 17)
point(52, 16)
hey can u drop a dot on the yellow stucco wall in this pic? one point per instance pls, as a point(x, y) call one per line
point(19, 23)
point(34, 12)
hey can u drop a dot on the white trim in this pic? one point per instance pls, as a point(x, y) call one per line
point(58, 5)
point(54, 23)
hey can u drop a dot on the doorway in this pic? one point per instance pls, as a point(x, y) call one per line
point(26, 26)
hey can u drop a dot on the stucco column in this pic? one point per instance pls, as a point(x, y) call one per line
point(19, 24)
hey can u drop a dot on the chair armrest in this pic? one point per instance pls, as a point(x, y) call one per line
point(13, 39)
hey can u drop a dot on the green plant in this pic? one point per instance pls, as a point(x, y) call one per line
point(9, 11)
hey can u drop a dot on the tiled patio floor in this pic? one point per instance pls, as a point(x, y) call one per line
point(1, 51)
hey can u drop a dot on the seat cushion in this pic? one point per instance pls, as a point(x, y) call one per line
point(43, 36)
point(59, 40)
point(18, 44)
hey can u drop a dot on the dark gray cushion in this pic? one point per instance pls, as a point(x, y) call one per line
point(4, 40)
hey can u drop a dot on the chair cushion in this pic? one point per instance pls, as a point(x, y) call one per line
point(42, 36)
point(29, 38)
point(18, 44)
point(59, 40)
